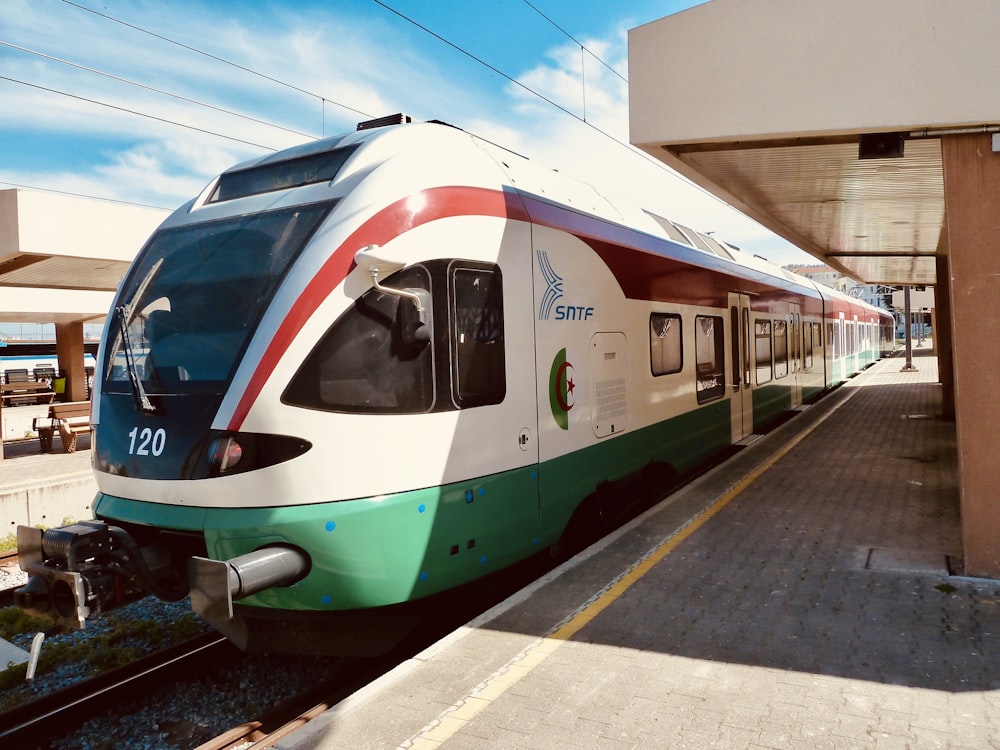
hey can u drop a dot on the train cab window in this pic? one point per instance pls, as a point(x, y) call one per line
point(665, 347)
point(762, 351)
point(364, 363)
point(709, 356)
point(780, 349)
point(477, 337)
point(191, 302)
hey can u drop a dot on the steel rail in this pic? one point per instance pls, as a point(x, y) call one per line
point(34, 721)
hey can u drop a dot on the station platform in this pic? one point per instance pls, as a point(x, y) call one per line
point(805, 594)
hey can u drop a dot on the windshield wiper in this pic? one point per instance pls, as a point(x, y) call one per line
point(142, 402)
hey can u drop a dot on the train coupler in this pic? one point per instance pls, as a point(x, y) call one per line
point(79, 571)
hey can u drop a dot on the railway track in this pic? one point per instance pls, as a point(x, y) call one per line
point(284, 719)
point(32, 723)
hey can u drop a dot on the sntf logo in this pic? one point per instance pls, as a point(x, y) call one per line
point(548, 308)
point(561, 387)
point(553, 286)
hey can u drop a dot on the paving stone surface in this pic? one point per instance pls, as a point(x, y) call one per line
point(822, 607)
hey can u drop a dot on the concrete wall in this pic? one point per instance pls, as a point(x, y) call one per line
point(48, 503)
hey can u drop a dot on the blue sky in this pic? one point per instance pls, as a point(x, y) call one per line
point(72, 118)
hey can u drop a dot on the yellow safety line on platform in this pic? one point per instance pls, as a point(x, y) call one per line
point(453, 719)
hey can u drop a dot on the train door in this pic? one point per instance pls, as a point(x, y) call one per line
point(741, 401)
point(795, 351)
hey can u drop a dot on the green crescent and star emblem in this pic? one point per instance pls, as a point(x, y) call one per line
point(561, 386)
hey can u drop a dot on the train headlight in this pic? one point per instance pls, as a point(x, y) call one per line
point(226, 453)
point(236, 452)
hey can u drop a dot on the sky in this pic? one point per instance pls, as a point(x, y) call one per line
point(144, 101)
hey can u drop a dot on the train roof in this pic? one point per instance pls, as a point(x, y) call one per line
point(391, 137)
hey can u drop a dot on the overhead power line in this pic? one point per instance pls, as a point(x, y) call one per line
point(222, 60)
point(468, 54)
point(153, 89)
point(135, 112)
point(530, 90)
point(628, 146)
point(576, 41)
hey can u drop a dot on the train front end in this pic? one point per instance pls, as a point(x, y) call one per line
point(181, 323)
point(195, 498)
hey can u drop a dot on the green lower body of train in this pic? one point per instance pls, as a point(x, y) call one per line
point(379, 551)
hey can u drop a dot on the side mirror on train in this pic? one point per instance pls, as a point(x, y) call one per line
point(414, 320)
point(412, 313)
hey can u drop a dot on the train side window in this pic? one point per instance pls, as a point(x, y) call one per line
point(709, 355)
point(477, 335)
point(665, 346)
point(780, 349)
point(362, 364)
point(762, 351)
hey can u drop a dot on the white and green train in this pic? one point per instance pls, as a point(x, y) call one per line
point(368, 370)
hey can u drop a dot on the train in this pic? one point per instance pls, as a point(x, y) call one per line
point(367, 371)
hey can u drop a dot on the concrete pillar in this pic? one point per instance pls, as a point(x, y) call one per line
point(69, 350)
point(972, 193)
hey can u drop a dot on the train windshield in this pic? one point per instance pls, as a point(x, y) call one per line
point(187, 309)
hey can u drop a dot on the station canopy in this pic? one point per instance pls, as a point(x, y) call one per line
point(822, 120)
point(61, 257)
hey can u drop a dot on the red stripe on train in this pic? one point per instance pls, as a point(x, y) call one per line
point(389, 223)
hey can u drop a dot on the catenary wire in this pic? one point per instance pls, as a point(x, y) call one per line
point(135, 112)
point(468, 54)
point(152, 88)
point(217, 59)
point(576, 41)
point(628, 146)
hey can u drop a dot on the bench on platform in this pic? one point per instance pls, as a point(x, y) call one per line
point(69, 419)
point(19, 388)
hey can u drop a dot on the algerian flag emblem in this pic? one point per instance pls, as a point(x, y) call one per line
point(561, 387)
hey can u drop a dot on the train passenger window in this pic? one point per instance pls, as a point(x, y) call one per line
point(808, 339)
point(709, 357)
point(780, 349)
point(477, 340)
point(762, 351)
point(362, 363)
point(665, 348)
